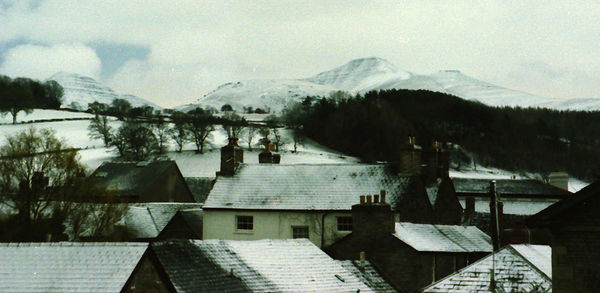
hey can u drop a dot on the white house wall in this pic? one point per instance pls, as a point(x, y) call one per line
point(221, 224)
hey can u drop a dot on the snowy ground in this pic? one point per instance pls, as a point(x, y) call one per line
point(93, 152)
point(39, 114)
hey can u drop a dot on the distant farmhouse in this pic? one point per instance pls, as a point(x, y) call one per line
point(276, 201)
point(156, 181)
point(574, 224)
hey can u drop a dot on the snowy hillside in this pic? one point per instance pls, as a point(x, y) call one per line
point(264, 94)
point(360, 74)
point(83, 90)
point(365, 74)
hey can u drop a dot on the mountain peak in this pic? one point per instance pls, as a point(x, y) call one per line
point(359, 74)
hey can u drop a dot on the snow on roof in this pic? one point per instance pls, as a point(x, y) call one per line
point(147, 220)
point(67, 266)
point(513, 206)
point(538, 255)
point(443, 238)
point(304, 186)
point(367, 274)
point(529, 187)
point(269, 265)
point(513, 272)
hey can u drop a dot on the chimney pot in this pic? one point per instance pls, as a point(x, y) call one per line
point(369, 199)
point(382, 195)
point(375, 198)
point(362, 199)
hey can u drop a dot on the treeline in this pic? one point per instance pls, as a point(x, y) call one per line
point(24, 94)
point(375, 125)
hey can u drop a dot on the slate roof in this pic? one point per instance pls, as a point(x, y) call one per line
point(443, 238)
point(553, 213)
point(67, 266)
point(147, 220)
point(517, 269)
point(509, 187)
point(304, 186)
point(130, 178)
point(270, 265)
point(368, 275)
point(200, 187)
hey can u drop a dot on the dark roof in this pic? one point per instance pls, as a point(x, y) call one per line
point(147, 220)
point(268, 265)
point(305, 186)
point(193, 218)
point(200, 187)
point(68, 266)
point(130, 178)
point(368, 275)
point(518, 268)
point(508, 187)
point(553, 213)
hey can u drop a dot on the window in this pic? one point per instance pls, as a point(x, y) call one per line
point(299, 232)
point(245, 222)
point(344, 223)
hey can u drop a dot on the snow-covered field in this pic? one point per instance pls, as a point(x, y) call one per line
point(40, 114)
point(93, 152)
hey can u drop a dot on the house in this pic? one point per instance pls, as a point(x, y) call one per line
point(410, 255)
point(514, 268)
point(517, 199)
point(77, 267)
point(314, 201)
point(152, 221)
point(573, 223)
point(269, 265)
point(156, 181)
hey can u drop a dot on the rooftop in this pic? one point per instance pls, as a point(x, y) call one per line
point(518, 268)
point(147, 220)
point(270, 265)
point(67, 266)
point(304, 186)
point(130, 178)
point(509, 187)
point(443, 238)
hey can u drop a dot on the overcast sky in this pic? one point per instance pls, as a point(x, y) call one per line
point(172, 52)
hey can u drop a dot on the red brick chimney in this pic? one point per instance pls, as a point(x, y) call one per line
point(231, 157)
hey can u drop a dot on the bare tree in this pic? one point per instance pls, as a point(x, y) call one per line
point(251, 131)
point(99, 128)
point(233, 124)
point(200, 126)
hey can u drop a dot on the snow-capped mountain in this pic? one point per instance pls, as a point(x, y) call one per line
point(81, 90)
point(264, 94)
point(366, 74)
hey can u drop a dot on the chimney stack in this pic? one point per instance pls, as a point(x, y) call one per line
point(231, 157)
point(382, 194)
point(371, 220)
point(410, 159)
point(469, 211)
point(266, 157)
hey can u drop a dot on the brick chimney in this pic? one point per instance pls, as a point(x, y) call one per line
point(372, 218)
point(410, 158)
point(231, 157)
point(266, 157)
point(437, 164)
point(559, 179)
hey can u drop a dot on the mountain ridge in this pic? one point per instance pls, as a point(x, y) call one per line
point(361, 75)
